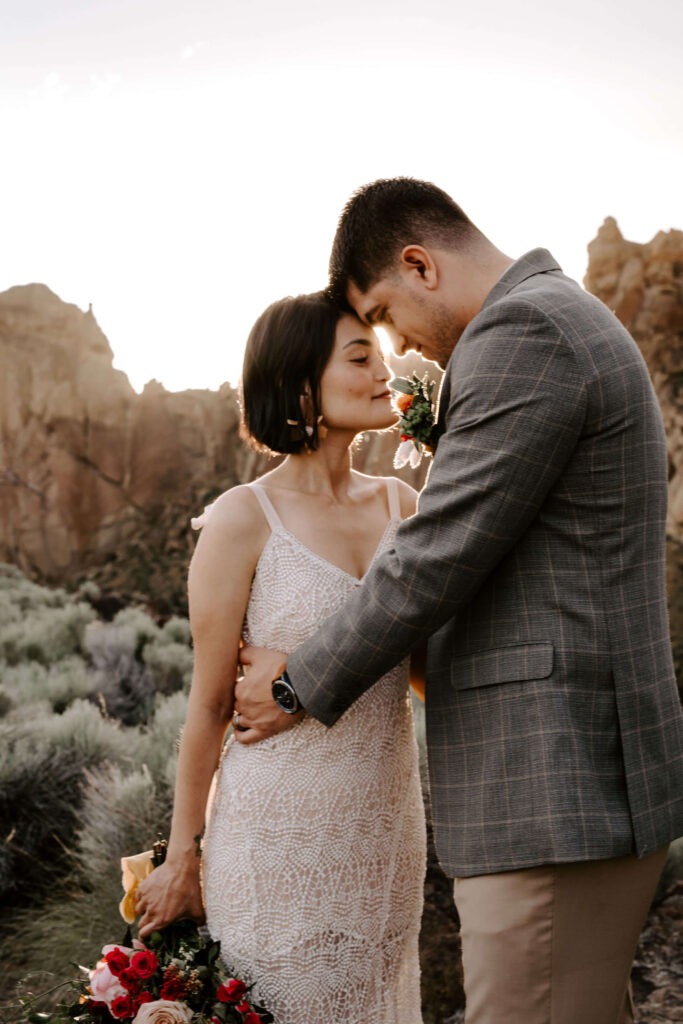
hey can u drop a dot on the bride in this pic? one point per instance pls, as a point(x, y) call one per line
point(313, 859)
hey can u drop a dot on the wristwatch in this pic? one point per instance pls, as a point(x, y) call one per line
point(284, 695)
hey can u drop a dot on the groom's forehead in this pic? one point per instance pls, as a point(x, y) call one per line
point(366, 304)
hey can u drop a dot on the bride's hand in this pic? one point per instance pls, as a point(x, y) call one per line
point(170, 893)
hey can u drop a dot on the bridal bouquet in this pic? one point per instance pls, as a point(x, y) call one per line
point(174, 977)
point(416, 425)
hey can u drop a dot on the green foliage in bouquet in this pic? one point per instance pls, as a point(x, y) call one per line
point(417, 419)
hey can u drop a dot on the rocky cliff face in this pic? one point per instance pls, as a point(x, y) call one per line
point(643, 284)
point(95, 478)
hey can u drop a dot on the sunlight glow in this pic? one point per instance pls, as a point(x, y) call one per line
point(182, 188)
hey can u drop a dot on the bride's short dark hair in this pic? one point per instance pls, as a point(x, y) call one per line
point(287, 350)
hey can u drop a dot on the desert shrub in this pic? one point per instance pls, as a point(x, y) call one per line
point(26, 682)
point(23, 594)
point(176, 630)
point(92, 736)
point(6, 702)
point(39, 795)
point(121, 814)
point(124, 683)
point(158, 748)
point(45, 634)
point(9, 610)
point(170, 664)
point(88, 591)
point(143, 628)
point(90, 716)
point(44, 763)
point(60, 684)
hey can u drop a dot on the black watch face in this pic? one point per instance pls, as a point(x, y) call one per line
point(284, 696)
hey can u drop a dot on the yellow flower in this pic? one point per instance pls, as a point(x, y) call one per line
point(135, 870)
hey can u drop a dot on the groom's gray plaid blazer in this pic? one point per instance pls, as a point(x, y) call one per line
point(536, 565)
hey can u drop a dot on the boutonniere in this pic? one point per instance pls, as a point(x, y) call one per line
point(416, 425)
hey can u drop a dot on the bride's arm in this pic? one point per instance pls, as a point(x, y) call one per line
point(218, 587)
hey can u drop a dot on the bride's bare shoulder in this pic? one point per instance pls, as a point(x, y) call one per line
point(234, 514)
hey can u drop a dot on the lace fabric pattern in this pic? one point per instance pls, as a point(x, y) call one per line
point(314, 854)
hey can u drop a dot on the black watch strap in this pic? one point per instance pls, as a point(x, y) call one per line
point(284, 694)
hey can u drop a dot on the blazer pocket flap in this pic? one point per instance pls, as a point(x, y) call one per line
point(502, 665)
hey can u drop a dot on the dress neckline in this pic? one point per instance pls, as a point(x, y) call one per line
point(325, 561)
point(277, 526)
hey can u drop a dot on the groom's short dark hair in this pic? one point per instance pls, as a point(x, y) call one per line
point(380, 219)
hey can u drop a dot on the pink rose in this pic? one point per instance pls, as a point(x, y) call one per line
point(104, 985)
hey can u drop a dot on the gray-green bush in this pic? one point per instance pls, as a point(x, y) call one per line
point(90, 714)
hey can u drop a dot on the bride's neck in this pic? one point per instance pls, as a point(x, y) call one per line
point(325, 471)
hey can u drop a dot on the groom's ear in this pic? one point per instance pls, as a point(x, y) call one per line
point(419, 266)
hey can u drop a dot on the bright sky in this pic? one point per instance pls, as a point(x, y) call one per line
point(182, 165)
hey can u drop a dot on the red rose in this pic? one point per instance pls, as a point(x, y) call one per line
point(122, 1007)
point(172, 989)
point(117, 961)
point(232, 991)
point(144, 963)
point(129, 979)
point(243, 1007)
point(144, 997)
point(252, 1018)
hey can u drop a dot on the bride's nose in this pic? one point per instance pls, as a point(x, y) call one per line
point(383, 371)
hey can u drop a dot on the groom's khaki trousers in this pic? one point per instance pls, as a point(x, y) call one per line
point(554, 945)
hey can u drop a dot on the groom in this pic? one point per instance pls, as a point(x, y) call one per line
point(535, 568)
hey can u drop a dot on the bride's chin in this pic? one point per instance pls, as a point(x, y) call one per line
point(391, 420)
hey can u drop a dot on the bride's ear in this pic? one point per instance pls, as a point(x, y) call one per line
point(419, 266)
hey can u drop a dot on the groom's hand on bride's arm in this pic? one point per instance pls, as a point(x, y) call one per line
point(259, 715)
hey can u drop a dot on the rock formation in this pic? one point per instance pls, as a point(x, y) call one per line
point(93, 476)
point(643, 284)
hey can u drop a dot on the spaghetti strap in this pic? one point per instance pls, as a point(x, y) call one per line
point(264, 501)
point(394, 500)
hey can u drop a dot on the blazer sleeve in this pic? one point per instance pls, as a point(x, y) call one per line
point(515, 413)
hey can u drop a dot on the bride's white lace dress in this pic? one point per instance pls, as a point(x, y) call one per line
point(314, 853)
